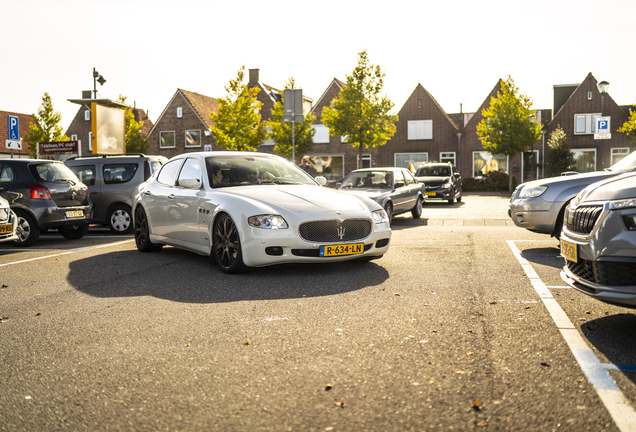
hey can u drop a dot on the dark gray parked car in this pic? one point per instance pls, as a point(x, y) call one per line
point(44, 195)
point(442, 181)
point(112, 181)
point(395, 189)
point(539, 205)
point(598, 241)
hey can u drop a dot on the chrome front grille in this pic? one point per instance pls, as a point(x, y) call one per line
point(582, 219)
point(335, 231)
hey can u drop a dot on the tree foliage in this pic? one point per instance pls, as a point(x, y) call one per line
point(45, 126)
point(281, 132)
point(134, 140)
point(359, 112)
point(507, 128)
point(237, 125)
point(559, 157)
point(629, 127)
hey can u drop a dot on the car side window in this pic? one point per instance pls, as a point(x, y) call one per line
point(399, 179)
point(6, 174)
point(408, 177)
point(168, 173)
point(86, 173)
point(191, 170)
point(119, 173)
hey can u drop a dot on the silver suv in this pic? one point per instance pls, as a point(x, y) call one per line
point(112, 181)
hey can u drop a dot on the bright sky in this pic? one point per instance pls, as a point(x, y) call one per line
point(457, 50)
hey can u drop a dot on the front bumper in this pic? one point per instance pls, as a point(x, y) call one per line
point(534, 214)
point(13, 221)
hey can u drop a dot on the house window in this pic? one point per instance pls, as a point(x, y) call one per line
point(484, 162)
point(447, 157)
point(166, 139)
point(321, 135)
point(585, 123)
point(619, 153)
point(404, 160)
point(87, 115)
point(73, 137)
point(90, 141)
point(179, 112)
point(420, 129)
point(589, 95)
point(366, 161)
point(584, 160)
point(329, 166)
point(193, 138)
point(268, 142)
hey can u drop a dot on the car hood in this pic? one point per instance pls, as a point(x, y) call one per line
point(585, 178)
point(297, 198)
point(432, 179)
point(615, 188)
point(371, 193)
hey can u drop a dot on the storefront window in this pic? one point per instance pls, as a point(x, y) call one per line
point(330, 167)
point(584, 160)
point(484, 162)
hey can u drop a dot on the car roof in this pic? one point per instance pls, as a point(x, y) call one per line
point(136, 156)
point(380, 169)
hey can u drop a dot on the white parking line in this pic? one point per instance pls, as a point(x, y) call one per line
point(597, 373)
point(66, 253)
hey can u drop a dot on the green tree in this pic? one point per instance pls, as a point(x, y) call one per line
point(359, 112)
point(559, 157)
point(629, 127)
point(281, 132)
point(507, 128)
point(134, 140)
point(45, 126)
point(237, 125)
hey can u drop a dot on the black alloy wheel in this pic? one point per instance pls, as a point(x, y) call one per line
point(142, 233)
point(226, 245)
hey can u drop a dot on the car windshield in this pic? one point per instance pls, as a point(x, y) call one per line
point(433, 171)
point(368, 179)
point(54, 172)
point(226, 171)
point(627, 164)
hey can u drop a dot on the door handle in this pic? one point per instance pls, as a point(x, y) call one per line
point(171, 196)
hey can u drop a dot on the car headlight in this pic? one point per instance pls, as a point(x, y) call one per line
point(268, 222)
point(622, 204)
point(446, 186)
point(380, 216)
point(532, 192)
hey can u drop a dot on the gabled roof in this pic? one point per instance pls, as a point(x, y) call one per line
point(485, 104)
point(335, 82)
point(142, 116)
point(450, 120)
point(201, 105)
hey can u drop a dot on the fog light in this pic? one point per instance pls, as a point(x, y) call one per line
point(274, 250)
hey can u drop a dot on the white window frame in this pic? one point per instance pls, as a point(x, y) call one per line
point(175, 139)
point(420, 130)
point(365, 157)
point(185, 138)
point(446, 155)
point(589, 95)
point(409, 154)
point(507, 171)
point(319, 134)
point(590, 123)
point(87, 115)
point(73, 137)
point(179, 112)
point(619, 151)
point(90, 141)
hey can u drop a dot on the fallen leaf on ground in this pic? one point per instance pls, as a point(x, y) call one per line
point(328, 387)
point(476, 405)
point(493, 302)
point(460, 372)
point(247, 343)
point(469, 353)
point(481, 424)
point(545, 364)
point(341, 404)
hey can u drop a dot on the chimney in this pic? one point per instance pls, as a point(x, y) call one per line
point(86, 94)
point(254, 76)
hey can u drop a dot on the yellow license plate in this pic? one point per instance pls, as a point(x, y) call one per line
point(569, 251)
point(430, 193)
point(75, 214)
point(344, 249)
point(6, 228)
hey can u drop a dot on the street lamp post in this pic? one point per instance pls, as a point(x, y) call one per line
point(602, 88)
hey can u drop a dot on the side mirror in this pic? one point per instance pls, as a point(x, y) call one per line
point(321, 180)
point(190, 183)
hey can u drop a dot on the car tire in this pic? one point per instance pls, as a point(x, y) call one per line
point(120, 219)
point(28, 232)
point(142, 233)
point(558, 225)
point(459, 198)
point(450, 201)
point(388, 208)
point(73, 232)
point(417, 210)
point(226, 245)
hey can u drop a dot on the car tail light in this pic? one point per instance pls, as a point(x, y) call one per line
point(40, 192)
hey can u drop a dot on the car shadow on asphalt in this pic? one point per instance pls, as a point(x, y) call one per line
point(547, 256)
point(613, 336)
point(182, 276)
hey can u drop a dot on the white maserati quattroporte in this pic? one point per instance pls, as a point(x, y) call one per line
point(254, 209)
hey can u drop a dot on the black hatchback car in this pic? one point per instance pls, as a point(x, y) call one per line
point(442, 181)
point(44, 195)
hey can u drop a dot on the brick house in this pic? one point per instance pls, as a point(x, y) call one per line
point(424, 133)
point(184, 125)
point(24, 120)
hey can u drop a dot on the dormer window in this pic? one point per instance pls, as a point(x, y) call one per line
point(179, 112)
point(87, 115)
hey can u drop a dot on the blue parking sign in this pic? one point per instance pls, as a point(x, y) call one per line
point(602, 124)
point(14, 128)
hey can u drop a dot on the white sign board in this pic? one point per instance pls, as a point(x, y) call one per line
point(603, 129)
point(14, 144)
